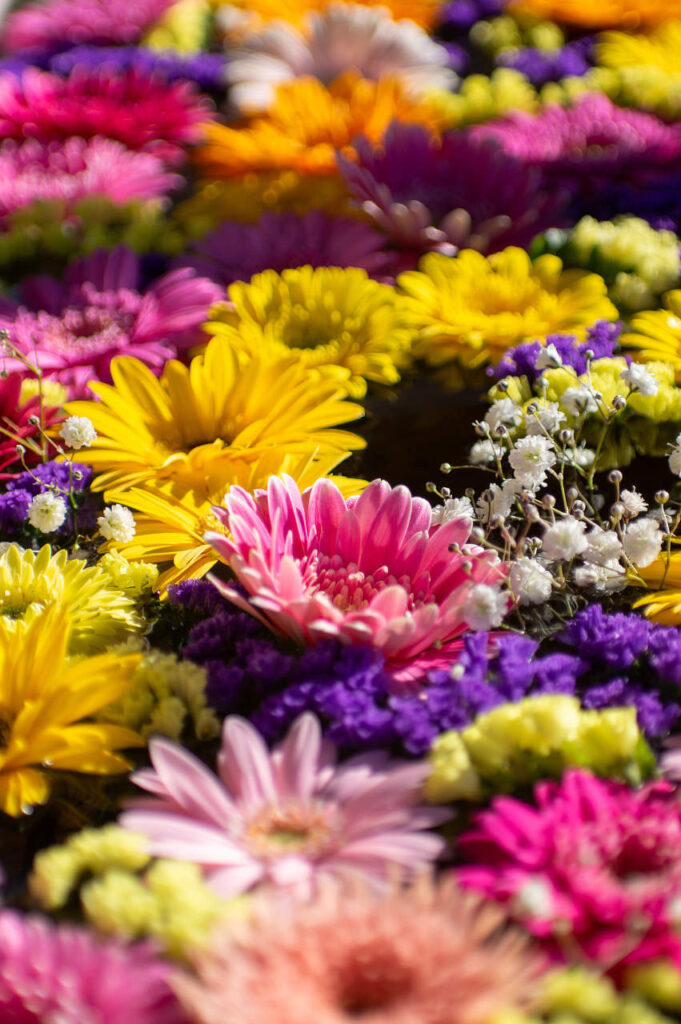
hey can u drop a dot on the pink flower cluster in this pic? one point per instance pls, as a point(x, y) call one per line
point(73, 22)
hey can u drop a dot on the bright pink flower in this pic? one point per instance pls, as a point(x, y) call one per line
point(72, 330)
point(367, 570)
point(286, 818)
point(15, 427)
point(63, 23)
point(54, 973)
point(595, 866)
point(70, 170)
point(165, 116)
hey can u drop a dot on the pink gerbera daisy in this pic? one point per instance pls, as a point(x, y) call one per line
point(70, 170)
point(72, 329)
point(367, 570)
point(63, 23)
point(286, 818)
point(595, 867)
point(16, 426)
point(428, 954)
point(55, 974)
point(140, 111)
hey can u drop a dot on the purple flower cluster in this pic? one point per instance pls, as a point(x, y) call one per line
point(458, 16)
point(22, 489)
point(521, 361)
point(207, 70)
point(605, 660)
point(542, 66)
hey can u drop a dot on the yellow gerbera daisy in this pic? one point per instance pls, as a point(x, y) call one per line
point(226, 402)
point(100, 612)
point(663, 577)
point(474, 307)
point(328, 317)
point(170, 529)
point(601, 13)
point(657, 333)
point(308, 123)
point(423, 12)
point(43, 697)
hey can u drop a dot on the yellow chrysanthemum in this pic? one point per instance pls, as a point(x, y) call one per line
point(485, 97)
point(170, 529)
point(628, 14)
point(473, 308)
point(663, 577)
point(308, 123)
point(100, 612)
point(328, 317)
point(659, 49)
point(657, 333)
point(44, 697)
point(227, 402)
point(423, 12)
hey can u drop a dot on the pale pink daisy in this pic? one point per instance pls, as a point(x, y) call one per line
point(62, 23)
point(287, 818)
point(368, 570)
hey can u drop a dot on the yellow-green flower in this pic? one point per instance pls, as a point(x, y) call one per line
point(645, 67)
point(482, 98)
point(473, 308)
point(656, 334)
point(328, 317)
point(100, 612)
point(183, 28)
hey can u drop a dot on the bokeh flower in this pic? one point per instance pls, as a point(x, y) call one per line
point(61, 23)
point(54, 972)
point(306, 125)
point(447, 194)
point(327, 317)
point(367, 571)
point(72, 329)
point(422, 12)
point(656, 49)
point(427, 953)
point(286, 819)
point(43, 106)
point(330, 42)
point(16, 414)
point(225, 403)
point(206, 70)
point(44, 697)
point(629, 14)
point(594, 866)
point(473, 308)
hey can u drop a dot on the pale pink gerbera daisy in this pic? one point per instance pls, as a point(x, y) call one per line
point(342, 37)
point(428, 954)
point(594, 868)
point(367, 570)
point(287, 818)
point(72, 329)
point(70, 170)
point(55, 974)
point(139, 110)
point(58, 24)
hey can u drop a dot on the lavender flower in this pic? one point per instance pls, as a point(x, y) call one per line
point(23, 488)
point(542, 66)
point(206, 69)
point(521, 361)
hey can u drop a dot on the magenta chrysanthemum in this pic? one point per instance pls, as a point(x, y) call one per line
point(595, 866)
point(138, 110)
point(449, 193)
point(287, 818)
point(73, 329)
point(367, 570)
point(51, 974)
point(70, 170)
point(235, 252)
point(63, 23)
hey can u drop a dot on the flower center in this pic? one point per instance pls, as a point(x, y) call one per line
point(100, 324)
point(348, 587)
point(312, 327)
point(374, 980)
point(296, 828)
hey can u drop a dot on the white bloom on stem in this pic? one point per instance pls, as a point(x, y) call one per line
point(637, 378)
point(78, 432)
point(501, 501)
point(504, 411)
point(643, 541)
point(634, 504)
point(117, 523)
point(604, 579)
point(47, 512)
point(548, 358)
point(483, 452)
point(675, 458)
point(604, 546)
point(547, 420)
point(453, 508)
point(579, 400)
point(485, 607)
point(530, 458)
point(530, 582)
point(565, 539)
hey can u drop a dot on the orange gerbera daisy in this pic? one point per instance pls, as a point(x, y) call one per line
point(628, 14)
point(308, 123)
point(253, 13)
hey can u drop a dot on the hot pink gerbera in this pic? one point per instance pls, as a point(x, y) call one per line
point(428, 954)
point(63, 23)
point(140, 111)
point(595, 867)
point(15, 425)
point(367, 570)
point(288, 818)
point(53, 974)
point(70, 170)
point(72, 329)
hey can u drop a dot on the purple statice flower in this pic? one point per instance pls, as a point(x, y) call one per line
point(521, 361)
point(449, 193)
point(207, 70)
point(457, 16)
point(615, 641)
point(235, 252)
point(542, 66)
point(24, 487)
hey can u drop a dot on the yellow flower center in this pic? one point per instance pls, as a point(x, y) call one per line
point(293, 828)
